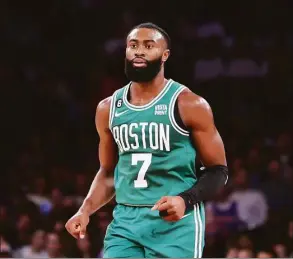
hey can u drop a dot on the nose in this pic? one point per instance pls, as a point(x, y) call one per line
point(139, 52)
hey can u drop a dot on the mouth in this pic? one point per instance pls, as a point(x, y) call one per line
point(139, 62)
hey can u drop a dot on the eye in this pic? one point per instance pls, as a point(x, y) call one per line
point(133, 45)
point(149, 46)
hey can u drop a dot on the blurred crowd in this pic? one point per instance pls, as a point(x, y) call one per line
point(60, 58)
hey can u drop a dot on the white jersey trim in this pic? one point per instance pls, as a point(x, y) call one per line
point(112, 109)
point(171, 112)
point(151, 103)
point(198, 239)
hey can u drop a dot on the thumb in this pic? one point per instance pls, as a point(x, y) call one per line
point(82, 230)
point(82, 233)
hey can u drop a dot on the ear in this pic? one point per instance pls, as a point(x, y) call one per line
point(166, 55)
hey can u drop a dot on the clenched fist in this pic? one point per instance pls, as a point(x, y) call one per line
point(76, 225)
point(172, 208)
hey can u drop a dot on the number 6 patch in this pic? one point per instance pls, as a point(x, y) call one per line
point(119, 103)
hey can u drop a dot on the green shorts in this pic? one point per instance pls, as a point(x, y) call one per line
point(139, 232)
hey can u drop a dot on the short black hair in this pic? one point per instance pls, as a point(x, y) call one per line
point(150, 25)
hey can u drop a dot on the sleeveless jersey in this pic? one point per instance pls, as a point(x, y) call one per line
point(156, 156)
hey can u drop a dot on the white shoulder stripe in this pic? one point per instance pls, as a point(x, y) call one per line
point(171, 112)
point(112, 109)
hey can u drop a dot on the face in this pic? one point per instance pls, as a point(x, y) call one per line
point(146, 52)
point(53, 244)
point(38, 239)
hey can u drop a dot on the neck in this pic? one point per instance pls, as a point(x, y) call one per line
point(152, 87)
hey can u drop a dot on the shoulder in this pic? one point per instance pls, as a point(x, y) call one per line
point(103, 113)
point(104, 105)
point(189, 99)
point(194, 109)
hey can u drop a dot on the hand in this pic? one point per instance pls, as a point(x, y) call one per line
point(173, 206)
point(76, 226)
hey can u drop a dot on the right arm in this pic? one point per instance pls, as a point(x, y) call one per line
point(102, 188)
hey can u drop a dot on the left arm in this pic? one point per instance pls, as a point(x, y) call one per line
point(197, 115)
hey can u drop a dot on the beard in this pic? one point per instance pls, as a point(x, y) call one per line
point(143, 74)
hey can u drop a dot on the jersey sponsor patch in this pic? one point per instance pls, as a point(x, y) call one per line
point(161, 109)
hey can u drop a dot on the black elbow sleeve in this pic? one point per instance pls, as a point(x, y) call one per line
point(212, 180)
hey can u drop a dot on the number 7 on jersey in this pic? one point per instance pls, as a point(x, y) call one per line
point(146, 158)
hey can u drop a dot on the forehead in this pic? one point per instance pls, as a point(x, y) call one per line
point(145, 34)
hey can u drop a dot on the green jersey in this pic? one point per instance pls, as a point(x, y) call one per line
point(156, 156)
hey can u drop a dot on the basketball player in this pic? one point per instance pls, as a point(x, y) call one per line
point(156, 127)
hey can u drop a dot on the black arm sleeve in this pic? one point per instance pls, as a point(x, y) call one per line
point(212, 180)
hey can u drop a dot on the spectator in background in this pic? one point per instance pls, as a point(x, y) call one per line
point(245, 253)
point(85, 249)
point(284, 146)
point(277, 190)
point(237, 164)
point(5, 248)
point(244, 242)
point(222, 216)
point(54, 246)
point(252, 205)
point(38, 195)
point(253, 165)
point(36, 249)
point(24, 228)
point(290, 238)
point(232, 252)
point(6, 226)
point(56, 68)
point(266, 253)
point(81, 188)
point(59, 226)
point(280, 250)
point(57, 211)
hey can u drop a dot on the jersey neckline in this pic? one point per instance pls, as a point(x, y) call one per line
point(151, 103)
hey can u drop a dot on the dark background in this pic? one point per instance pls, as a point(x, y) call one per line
point(60, 58)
